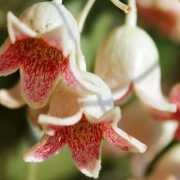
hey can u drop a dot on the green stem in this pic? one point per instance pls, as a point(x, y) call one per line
point(153, 163)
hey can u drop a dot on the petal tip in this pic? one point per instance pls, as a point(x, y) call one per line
point(94, 173)
point(30, 158)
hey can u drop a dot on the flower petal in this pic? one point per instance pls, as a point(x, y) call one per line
point(40, 71)
point(46, 120)
point(73, 77)
point(175, 98)
point(47, 147)
point(149, 91)
point(122, 140)
point(60, 39)
point(118, 137)
point(64, 102)
point(33, 115)
point(12, 98)
point(85, 144)
point(120, 96)
point(9, 58)
point(177, 133)
point(95, 105)
point(18, 30)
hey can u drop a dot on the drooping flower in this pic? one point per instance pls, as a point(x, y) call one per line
point(81, 123)
point(163, 15)
point(128, 59)
point(44, 48)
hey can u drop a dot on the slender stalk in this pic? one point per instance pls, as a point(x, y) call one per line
point(58, 1)
point(131, 18)
point(120, 5)
point(152, 165)
point(32, 171)
point(81, 18)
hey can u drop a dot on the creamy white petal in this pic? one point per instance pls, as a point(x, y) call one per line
point(18, 30)
point(12, 98)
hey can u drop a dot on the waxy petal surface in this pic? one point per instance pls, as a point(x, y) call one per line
point(40, 70)
point(95, 105)
point(18, 30)
point(85, 143)
point(122, 140)
point(175, 98)
point(9, 58)
point(12, 98)
point(149, 91)
point(47, 147)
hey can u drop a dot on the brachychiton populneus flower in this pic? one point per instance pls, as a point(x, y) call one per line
point(45, 47)
point(127, 59)
point(81, 123)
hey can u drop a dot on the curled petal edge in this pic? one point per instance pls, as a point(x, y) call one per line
point(11, 98)
point(18, 30)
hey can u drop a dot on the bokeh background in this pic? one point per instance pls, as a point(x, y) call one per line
point(16, 135)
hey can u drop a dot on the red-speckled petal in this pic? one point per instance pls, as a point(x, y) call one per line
point(122, 140)
point(64, 41)
point(85, 144)
point(74, 78)
point(175, 98)
point(47, 147)
point(177, 133)
point(9, 58)
point(40, 71)
point(116, 136)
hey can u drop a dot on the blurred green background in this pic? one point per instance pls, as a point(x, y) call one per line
point(15, 135)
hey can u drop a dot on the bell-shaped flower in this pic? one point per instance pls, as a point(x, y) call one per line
point(44, 43)
point(81, 123)
point(128, 59)
point(163, 15)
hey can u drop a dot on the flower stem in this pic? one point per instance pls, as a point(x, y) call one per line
point(131, 18)
point(122, 6)
point(153, 163)
point(32, 171)
point(81, 18)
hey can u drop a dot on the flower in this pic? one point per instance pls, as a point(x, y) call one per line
point(84, 140)
point(163, 15)
point(44, 48)
point(81, 122)
point(128, 59)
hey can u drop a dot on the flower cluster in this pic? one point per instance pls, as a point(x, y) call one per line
point(69, 105)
